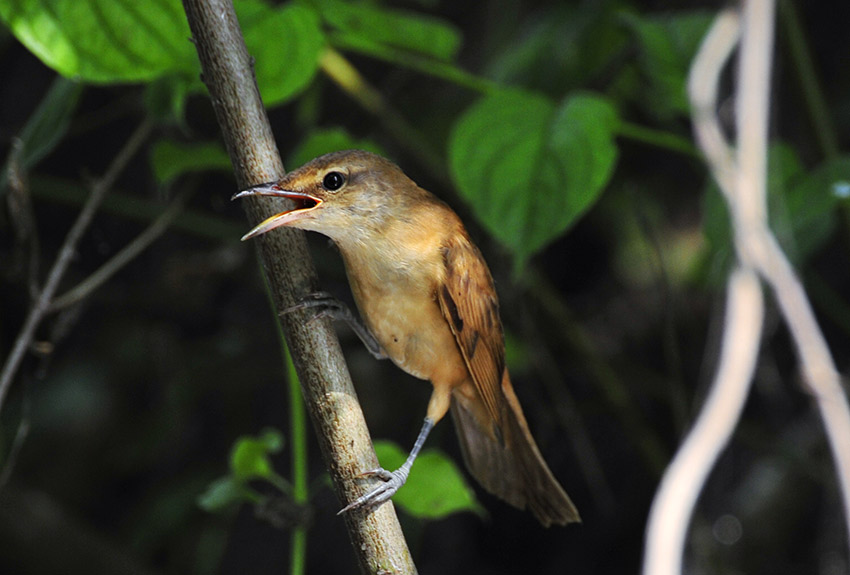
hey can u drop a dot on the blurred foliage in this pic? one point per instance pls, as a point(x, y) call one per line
point(101, 41)
point(249, 460)
point(558, 130)
point(170, 159)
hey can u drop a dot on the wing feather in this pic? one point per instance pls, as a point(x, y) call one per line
point(468, 301)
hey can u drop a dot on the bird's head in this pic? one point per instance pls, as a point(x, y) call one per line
point(341, 195)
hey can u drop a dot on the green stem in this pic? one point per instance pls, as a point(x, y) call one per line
point(657, 138)
point(300, 491)
point(437, 69)
point(350, 81)
point(804, 66)
point(298, 435)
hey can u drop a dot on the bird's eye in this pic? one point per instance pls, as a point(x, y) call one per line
point(333, 181)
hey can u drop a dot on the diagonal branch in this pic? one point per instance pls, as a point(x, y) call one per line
point(326, 385)
point(122, 258)
point(66, 254)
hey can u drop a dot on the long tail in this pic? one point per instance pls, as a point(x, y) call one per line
point(511, 467)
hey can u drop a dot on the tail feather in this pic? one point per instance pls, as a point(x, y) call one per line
point(512, 469)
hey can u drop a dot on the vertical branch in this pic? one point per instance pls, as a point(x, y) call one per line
point(754, 240)
point(753, 107)
point(328, 392)
point(742, 177)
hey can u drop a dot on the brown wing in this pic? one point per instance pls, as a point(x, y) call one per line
point(468, 301)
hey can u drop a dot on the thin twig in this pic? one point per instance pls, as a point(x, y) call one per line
point(703, 83)
point(21, 214)
point(122, 258)
point(749, 205)
point(66, 254)
point(21, 434)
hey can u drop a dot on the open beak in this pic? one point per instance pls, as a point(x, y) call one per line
point(303, 204)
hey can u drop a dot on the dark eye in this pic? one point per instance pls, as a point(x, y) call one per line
point(333, 181)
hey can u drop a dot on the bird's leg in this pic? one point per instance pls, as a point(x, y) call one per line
point(392, 480)
point(329, 306)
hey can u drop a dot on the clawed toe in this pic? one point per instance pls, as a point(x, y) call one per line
point(380, 473)
point(320, 299)
point(391, 482)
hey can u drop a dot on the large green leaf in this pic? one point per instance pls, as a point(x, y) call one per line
point(530, 168)
point(110, 41)
point(104, 41)
point(286, 44)
point(667, 44)
point(435, 488)
point(567, 44)
point(373, 30)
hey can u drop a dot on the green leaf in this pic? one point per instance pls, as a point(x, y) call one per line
point(372, 30)
point(44, 129)
point(225, 492)
point(250, 457)
point(528, 168)
point(104, 41)
point(668, 44)
point(435, 488)
point(812, 204)
point(802, 206)
point(49, 123)
point(322, 142)
point(567, 44)
point(272, 439)
point(170, 159)
point(286, 44)
point(165, 97)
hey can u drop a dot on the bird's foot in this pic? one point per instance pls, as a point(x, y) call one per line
point(325, 304)
point(391, 482)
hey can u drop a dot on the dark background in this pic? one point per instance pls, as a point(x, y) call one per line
point(145, 386)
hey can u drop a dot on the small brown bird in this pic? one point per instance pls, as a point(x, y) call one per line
point(429, 304)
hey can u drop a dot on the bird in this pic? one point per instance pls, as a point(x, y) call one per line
point(427, 301)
